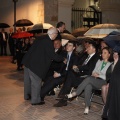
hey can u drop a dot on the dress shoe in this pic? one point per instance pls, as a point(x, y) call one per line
point(28, 97)
point(51, 93)
point(41, 103)
point(86, 111)
point(61, 103)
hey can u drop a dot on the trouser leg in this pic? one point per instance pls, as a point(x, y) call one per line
point(36, 83)
point(87, 92)
point(27, 84)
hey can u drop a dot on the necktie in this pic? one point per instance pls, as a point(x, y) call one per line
point(86, 61)
point(68, 58)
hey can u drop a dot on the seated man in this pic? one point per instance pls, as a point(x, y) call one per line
point(55, 66)
point(73, 79)
point(59, 76)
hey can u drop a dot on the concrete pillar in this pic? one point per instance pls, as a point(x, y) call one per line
point(65, 12)
point(110, 10)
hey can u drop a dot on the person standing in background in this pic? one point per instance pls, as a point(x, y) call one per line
point(11, 42)
point(3, 41)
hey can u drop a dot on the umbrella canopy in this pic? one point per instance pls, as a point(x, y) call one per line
point(23, 22)
point(113, 40)
point(102, 30)
point(22, 35)
point(4, 25)
point(68, 37)
point(40, 28)
point(79, 31)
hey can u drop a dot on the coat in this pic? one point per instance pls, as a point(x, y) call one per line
point(113, 98)
point(40, 55)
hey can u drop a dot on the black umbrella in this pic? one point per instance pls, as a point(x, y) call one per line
point(23, 22)
point(40, 28)
point(113, 40)
point(4, 25)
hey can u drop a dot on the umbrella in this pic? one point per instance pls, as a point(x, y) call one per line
point(79, 31)
point(23, 22)
point(68, 37)
point(113, 40)
point(22, 35)
point(102, 30)
point(4, 25)
point(40, 28)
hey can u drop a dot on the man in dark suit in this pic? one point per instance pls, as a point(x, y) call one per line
point(55, 66)
point(59, 76)
point(60, 27)
point(37, 62)
point(3, 41)
point(11, 42)
point(77, 75)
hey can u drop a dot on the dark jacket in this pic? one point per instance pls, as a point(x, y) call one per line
point(73, 61)
point(89, 67)
point(40, 55)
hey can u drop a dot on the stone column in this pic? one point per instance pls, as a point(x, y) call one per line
point(110, 10)
point(65, 12)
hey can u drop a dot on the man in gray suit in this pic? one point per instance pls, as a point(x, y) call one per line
point(37, 62)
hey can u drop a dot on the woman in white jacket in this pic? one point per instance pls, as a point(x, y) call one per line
point(96, 80)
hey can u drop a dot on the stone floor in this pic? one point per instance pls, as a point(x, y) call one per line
point(14, 107)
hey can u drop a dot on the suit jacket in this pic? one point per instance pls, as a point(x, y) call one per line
point(73, 61)
point(97, 69)
point(88, 68)
point(40, 55)
point(1, 36)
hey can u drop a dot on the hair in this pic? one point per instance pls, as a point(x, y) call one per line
point(52, 30)
point(72, 42)
point(60, 24)
point(93, 43)
point(110, 52)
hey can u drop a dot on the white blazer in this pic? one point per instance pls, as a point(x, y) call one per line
point(97, 69)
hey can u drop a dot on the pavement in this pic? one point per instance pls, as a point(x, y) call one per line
point(14, 107)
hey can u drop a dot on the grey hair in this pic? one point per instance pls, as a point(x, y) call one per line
point(52, 30)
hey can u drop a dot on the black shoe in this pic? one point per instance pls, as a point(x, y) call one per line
point(60, 97)
point(51, 93)
point(41, 103)
point(28, 97)
point(61, 103)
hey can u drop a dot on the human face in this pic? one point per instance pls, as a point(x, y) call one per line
point(90, 49)
point(70, 47)
point(115, 56)
point(57, 44)
point(105, 54)
point(103, 45)
point(62, 28)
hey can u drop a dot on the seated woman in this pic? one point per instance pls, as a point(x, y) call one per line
point(96, 80)
point(105, 87)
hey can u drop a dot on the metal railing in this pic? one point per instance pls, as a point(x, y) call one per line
point(85, 17)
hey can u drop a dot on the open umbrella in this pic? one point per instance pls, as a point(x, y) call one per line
point(23, 22)
point(4, 25)
point(101, 30)
point(79, 31)
point(113, 40)
point(40, 28)
point(22, 35)
point(68, 37)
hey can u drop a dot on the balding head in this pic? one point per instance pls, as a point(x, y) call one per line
point(52, 32)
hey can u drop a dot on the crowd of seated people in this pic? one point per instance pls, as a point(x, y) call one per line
point(87, 70)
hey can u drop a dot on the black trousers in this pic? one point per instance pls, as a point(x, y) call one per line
point(3, 47)
point(72, 80)
point(50, 84)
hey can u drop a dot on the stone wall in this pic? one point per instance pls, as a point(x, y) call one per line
point(51, 11)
